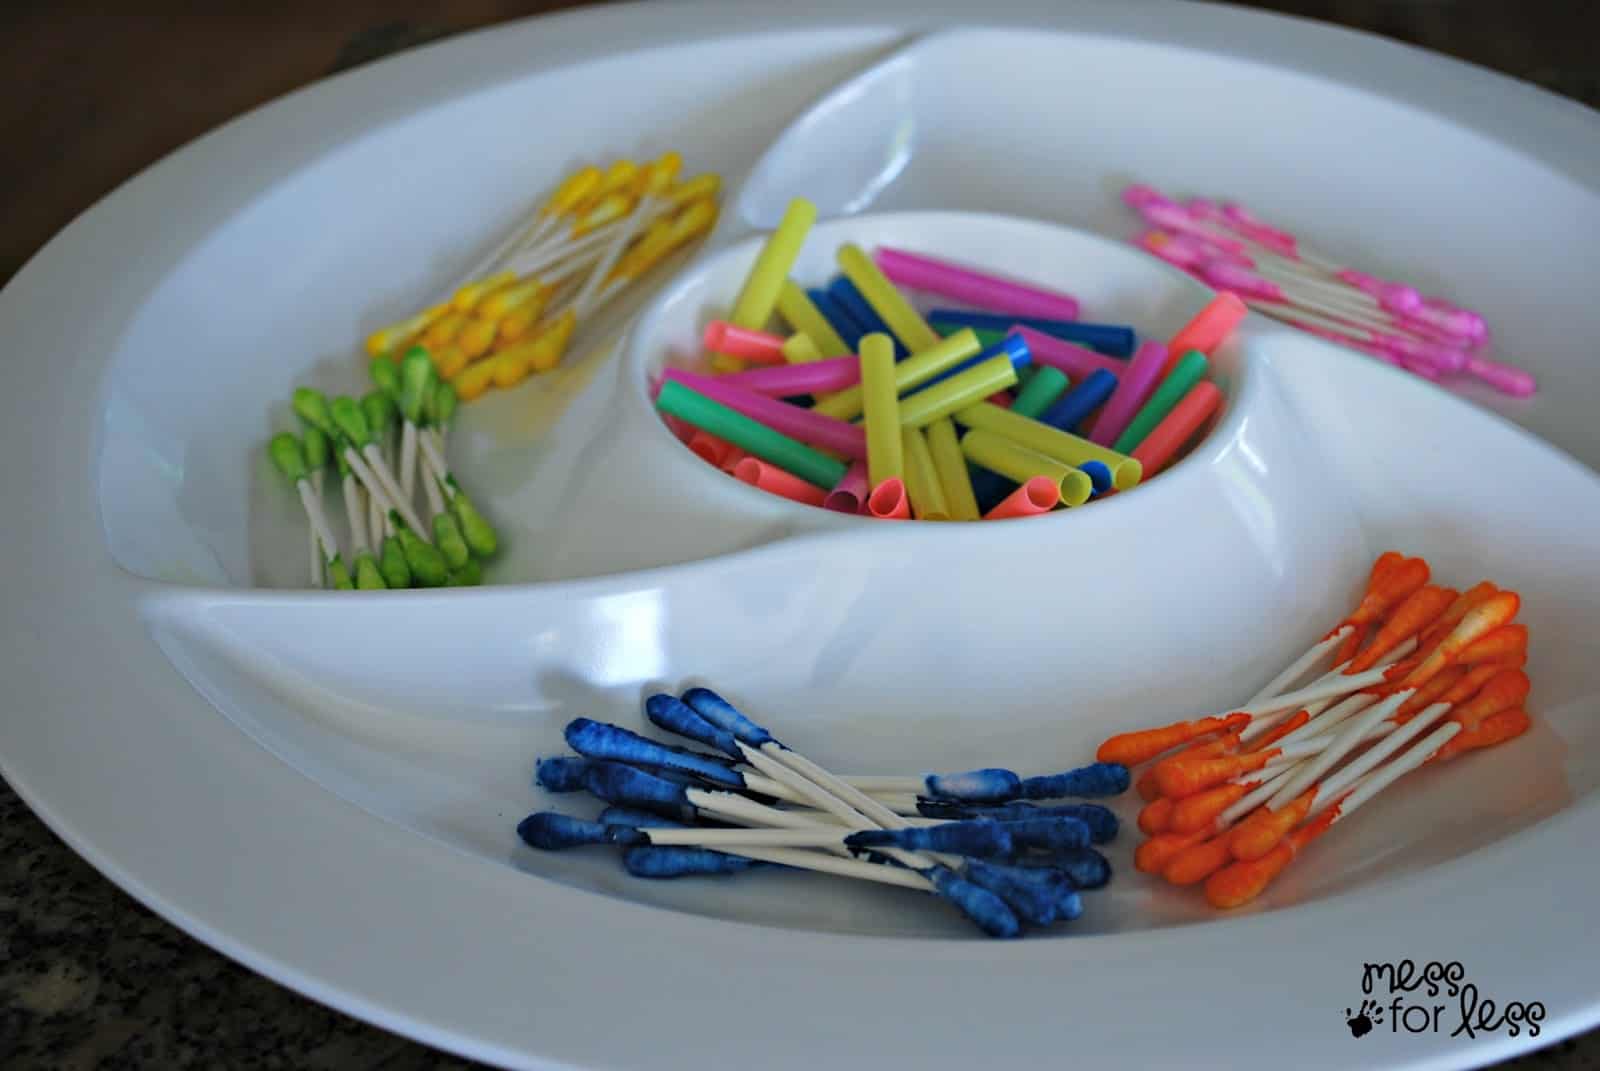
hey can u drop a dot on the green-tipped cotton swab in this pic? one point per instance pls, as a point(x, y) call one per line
point(317, 449)
point(288, 456)
point(357, 447)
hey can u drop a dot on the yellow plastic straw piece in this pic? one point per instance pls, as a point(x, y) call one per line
point(885, 446)
point(951, 467)
point(922, 481)
point(799, 349)
point(758, 297)
point(800, 313)
point(443, 331)
point(909, 373)
point(1016, 462)
point(1052, 442)
point(498, 304)
point(958, 392)
point(449, 361)
point(388, 339)
point(706, 185)
point(895, 311)
point(467, 298)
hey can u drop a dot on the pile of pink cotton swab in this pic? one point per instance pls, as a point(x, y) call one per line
point(1276, 274)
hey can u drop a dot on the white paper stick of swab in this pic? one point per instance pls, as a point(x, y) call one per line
point(355, 511)
point(1298, 667)
point(318, 574)
point(1340, 684)
point(585, 299)
point(1380, 779)
point(1397, 739)
point(1343, 744)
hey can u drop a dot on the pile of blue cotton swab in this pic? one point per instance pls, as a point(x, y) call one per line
point(969, 838)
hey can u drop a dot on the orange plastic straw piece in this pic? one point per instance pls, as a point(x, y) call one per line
point(1198, 861)
point(1156, 816)
point(772, 479)
point(1200, 811)
point(709, 448)
point(1180, 777)
point(1239, 883)
point(1496, 729)
point(1177, 427)
point(1419, 610)
point(888, 501)
point(1482, 619)
point(1152, 856)
point(1130, 749)
point(1210, 326)
point(1039, 495)
point(1253, 839)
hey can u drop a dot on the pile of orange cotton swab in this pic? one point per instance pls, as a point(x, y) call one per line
point(1251, 788)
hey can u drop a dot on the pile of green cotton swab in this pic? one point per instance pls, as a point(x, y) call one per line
point(391, 543)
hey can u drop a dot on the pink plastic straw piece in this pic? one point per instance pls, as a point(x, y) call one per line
point(1039, 495)
point(849, 495)
point(818, 377)
point(1001, 398)
point(1076, 361)
point(1210, 326)
point(741, 342)
point(1502, 377)
point(814, 428)
point(1133, 390)
point(771, 478)
point(888, 501)
point(979, 289)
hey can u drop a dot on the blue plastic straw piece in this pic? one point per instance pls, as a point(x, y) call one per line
point(724, 715)
point(1013, 346)
point(988, 911)
point(672, 714)
point(1095, 780)
point(849, 298)
point(1113, 340)
point(978, 838)
point(991, 785)
point(1099, 476)
point(1084, 398)
point(1102, 822)
point(839, 318)
point(597, 740)
point(660, 861)
point(1047, 834)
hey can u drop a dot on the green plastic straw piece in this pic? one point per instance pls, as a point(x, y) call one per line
point(469, 575)
point(428, 569)
point(444, 403)
point(368, 576)
point(717, 419)
point(477, 531)
point(416, 380)
point(1040, 392)
point(385, 376)
point(447, 537)
point(288, 456)
point(986, 336)
point(338, 575)
point(351, 421)
point(312, 407)
point(382, 416)
point(392, 563)
point(1190, 369)
point(318, 447)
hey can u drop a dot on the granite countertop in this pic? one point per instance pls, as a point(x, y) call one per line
point(89, 978)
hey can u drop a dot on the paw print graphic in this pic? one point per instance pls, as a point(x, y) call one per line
point(1362, 1022)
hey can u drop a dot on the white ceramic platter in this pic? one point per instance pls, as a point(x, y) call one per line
point(338, 813)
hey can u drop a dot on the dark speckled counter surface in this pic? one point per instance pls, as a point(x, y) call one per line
point(90, 979)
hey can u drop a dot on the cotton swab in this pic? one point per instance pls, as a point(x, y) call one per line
point(288, 456)
point(979, 838)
